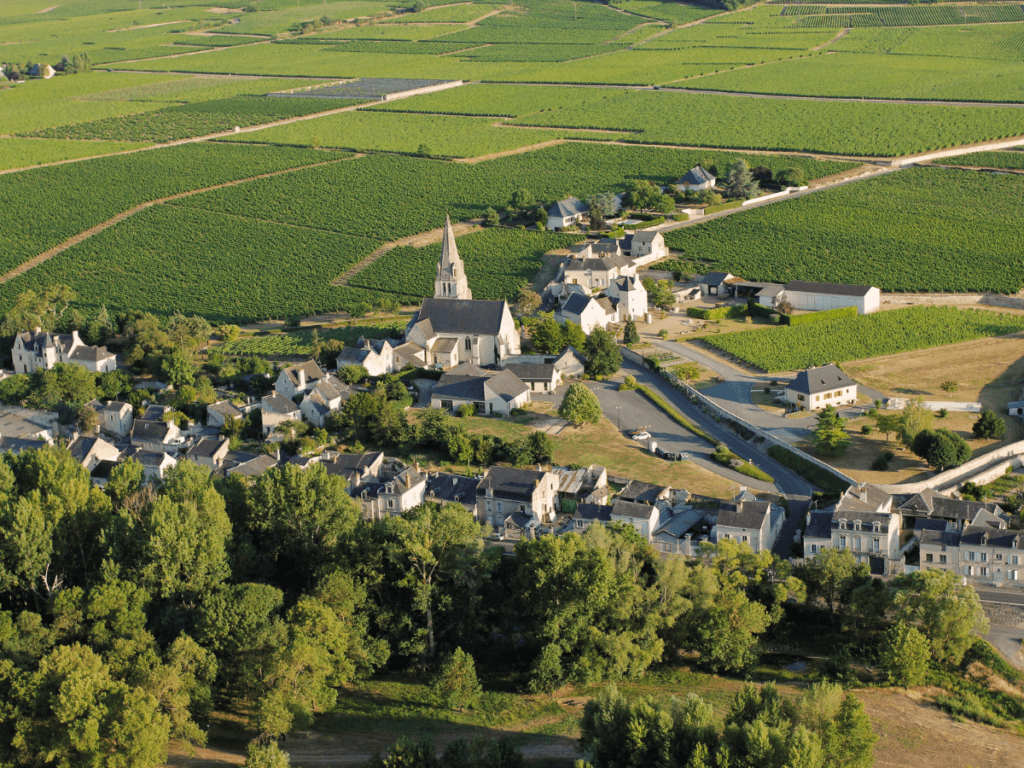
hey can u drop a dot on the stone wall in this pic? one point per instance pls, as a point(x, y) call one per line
point(1005, 615)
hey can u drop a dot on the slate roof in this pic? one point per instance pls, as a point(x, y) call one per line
point(82, 446)
point(852, 507)
point(679, 525)
point(453, 488)
point(152, 459)
point(822, 379)
point(406, 480)
point(622, 508)
point(468, 382)
point(463, 315)
point(567, 208)
point(696, 175)
point(641, 492)
point(929, 537)
point(608, 305)
point(510, 483)
point(351, 462)
point(934, 504)
point(519, 520)
point(600, 513)
point(18, 444)
point(532, 371)
point(207, 447)
point(254, 466)
point(313, 372)
point(602, 264)
point(279, 404)
point(151, 431)
point(820, 526)
point(576, 304)
point(984, 536)
point(835, 289)
point(744, 514)
point(225, 408)
point(645, 236)
point(713, 278)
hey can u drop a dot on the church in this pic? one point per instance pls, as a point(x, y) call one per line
point(453, 327)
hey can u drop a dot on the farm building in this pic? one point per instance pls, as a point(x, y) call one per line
point(715, 284)
point(645, 247)
point(817, 388)
point(814, 297)
point(566, 212)
point(696, 179)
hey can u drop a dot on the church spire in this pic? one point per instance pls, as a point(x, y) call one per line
point(451, 282)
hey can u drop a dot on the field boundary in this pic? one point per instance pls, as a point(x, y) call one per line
point(74, 240)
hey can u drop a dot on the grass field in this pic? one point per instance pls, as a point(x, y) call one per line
point(444, 136)
point(922, 229)
point(22, 153)
point(1011, 160)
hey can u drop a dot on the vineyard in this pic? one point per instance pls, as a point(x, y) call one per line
point(903, 16)
point(922, 229)
point(215, 41)
point(866, 336)
point(55, 203)
point(284, 19)
point(1011, 160)
point(1004, 41)
point(681, 13)
point(443, 136)
point(188, 120)
point(881, 130)
point(188, 89)
point(367, 89)
point(24, 153)
point(450, 13)
point(499, 262)
point(300, 343)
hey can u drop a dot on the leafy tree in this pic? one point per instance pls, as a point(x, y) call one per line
point(541, 446)
point(643, 194)
point(527, 302)
point(521, 200)
point(573, 336)
point(268, 755)
point(791, 177)
point(178, 369)
point(739, 182)
point(601, 207)
point(989, 426)
point(941, 448)
point(948, 612)
point(659, 293)
point(904, 655)
point(830, 436)
point(44, 310)
point(689, 372)
point(580, 406)
point(63, 385)
point(914, 419)
point(547, 336)
point(630, 335)
point(832, 574)
point(838, 718)
point(886, 423)
point(456, 684)
point(353, 374)
point(14, 389)
point(602, 353)
point(430, 545)
point(125, 480)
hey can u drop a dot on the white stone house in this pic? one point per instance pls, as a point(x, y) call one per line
point(488, 392)
point(40, 350)
point(218, 413)
point(566, 213)
point(504, 491)
point(90, 451)
point(594, 272)
point(756, 523)
point(377, 356)
point(863, 522)
point(538, 377)
point(276, 409)
point(155, 464)
point(326, 397)
point(696, 179)
point(643, 517)
point(403, 492)
point(588, 313)
point(983, 553)
point(209, 452)
point(645, 247)
point(298, 379)
point(156, 436)
point(116, 418)
point(817, 388)
point(632, 297)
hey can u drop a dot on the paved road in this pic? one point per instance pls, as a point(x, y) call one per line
point(1009, 642)
point(1007, 596)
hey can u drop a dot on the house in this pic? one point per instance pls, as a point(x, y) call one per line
point(632, 297)
point(819, 387)
point(645, 247)
point(538, 377)
point(28, 423)
point(865, 523)
point(298, 379)
point(444, 488)
point(586, 485)
point(157, 436)
point(210, 452)
point(16, 445)
point(696, 179)
point(588, 514)
point(248, 465)
point(40, 350)
point(1016, 407)
point(377, 356)
point(326, 397)
point(954, 514)
point(488, 392)
point(356, 468)
point(815, 297)
point(676, 532)
point(566, 213)
point(155, 464)
point(588, 313)
point(116, 418)
point(42, 70)
point(645, 493)
point(218, 413)
point(519, 525)
point(715, 284)
point(594, 271)
point(817, 532)
point(984, 553)
point(756, 523)
point(504, 491)
point(569, 364)
point(90, 451)
point(401, 492)
point(643, 517)
point(276, 409)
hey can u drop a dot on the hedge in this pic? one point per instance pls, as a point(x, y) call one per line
point(815, 317)
point(759, 310)
point(809, 471)
point(723, 207)
point(681, 217)
point(673, 414)
point(718, 313)
point(645, 224)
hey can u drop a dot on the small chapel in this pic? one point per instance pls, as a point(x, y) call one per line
point(452, 327)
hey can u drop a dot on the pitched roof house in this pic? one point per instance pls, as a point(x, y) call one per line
point(566, 212)
point(276, 409)
point(377, 356)
point(645, 247)
point(486, 391)
point(756, 523)
point(696, 179)
point(90, 451)
point(298, 379)
point(816, 388)
point(218, 413)
point(631, 295)
point(589, 313)
point(323, 399)
point(504, 491)
point(41, 350)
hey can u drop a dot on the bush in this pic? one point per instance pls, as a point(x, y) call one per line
point(628, 383)
point(881, 462)
point(942, 413)
point(718, 313)
point(866, 429)
point(822, 478)
point(465, 410)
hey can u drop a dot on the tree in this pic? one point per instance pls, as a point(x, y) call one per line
point(491, 218)
point(643, 194)
point(580, 406)
point(948, 612)
point(783, 304)
point(521, 200)
point(989, 426)
point(949, 386)
point(830, 436)
point(762, 175)
point(14, 389)
point(456, 684)
point(832, 574)
point(689, 372)
point(601, 207)
point(886, 423)
point(573, 336)
point(547, 336)
point(268, 755)
point(739, 182)
point(602, 353)
point(790, 177)
point(838, 718)
point(914, 419)
point(32, 309)
point(63, 385)
point(353, 374)
point(527, 302)
point(904, 655)
point(178, 369)
point(430, 545)
point(941, 448)
point(660, 293)
point(630, 335)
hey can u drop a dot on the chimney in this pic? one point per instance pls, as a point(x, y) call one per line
point(301, 375)
point(455, 481)
point(808, 517)
point(75, 341)
point(864, 493)
point(536, 483)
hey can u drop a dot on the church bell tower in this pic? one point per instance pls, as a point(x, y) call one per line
point(451, 282)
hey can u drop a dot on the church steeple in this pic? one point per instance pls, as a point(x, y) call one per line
point(451, 282)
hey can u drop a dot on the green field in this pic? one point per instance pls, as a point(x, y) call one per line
point(862, 337)
point(993, 41)
point(24, 153)
point(666, 10)
point(443, 136)
point(921, 229)
point(300, 343)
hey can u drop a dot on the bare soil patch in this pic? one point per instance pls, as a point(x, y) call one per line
point(219, 9)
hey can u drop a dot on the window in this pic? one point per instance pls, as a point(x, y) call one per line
point(984, 557)
point(842, 542)
point(745, 539)
point(814, 549)
point(391, 503)
point(1011, 575)
point(801, 398)
point(875, 547)
point(856, 542)
point(984, 571)
point(972, 555)
point(928, 557)
point(942, 558)
point(968, 571)
point(469, 344)
point(1013, 560)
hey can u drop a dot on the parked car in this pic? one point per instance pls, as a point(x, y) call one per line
point(640, 434)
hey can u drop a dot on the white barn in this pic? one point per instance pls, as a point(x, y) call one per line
point(814, 297)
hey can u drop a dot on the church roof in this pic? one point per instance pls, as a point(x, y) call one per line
point(449, 251)
point(463, 316)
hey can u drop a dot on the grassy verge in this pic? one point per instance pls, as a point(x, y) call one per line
point(808, 471)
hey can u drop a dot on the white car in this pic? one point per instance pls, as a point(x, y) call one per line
point(644, 435)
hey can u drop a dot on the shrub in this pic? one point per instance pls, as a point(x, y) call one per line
point(942, 413)
point(465, 410)
point(866, 429)
point(456, 683)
